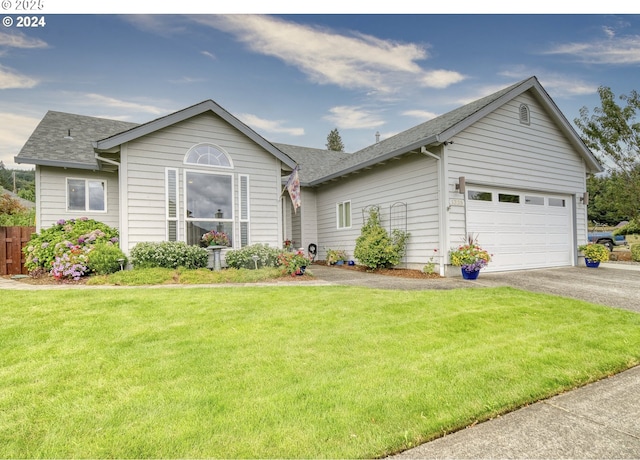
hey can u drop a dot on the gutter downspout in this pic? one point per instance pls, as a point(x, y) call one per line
point(441, 208)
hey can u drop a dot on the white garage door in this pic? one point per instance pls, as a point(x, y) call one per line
point(521, 229)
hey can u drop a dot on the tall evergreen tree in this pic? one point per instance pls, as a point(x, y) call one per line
point(334, 141)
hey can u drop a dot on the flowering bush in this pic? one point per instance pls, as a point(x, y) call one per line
point(72, 261)
point(595, 252)
point(292, 262)
point(288, 244)
point(168, 254)
point(243, 258)
point(215, 238)
point(63, 248)
point(470, 256)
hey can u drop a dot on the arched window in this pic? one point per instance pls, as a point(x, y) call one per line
point(524, 114)
point(208, 155)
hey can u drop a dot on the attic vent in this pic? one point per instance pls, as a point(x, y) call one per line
point(524, 114)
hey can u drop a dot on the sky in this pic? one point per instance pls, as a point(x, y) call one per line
point(295, 77)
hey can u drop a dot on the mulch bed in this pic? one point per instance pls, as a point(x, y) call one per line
point(398, 272)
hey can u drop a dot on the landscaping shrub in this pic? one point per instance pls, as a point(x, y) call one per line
point(105, 258)
point(632, 228)
point(13, 214)
point(168, 254)
point(375, 248)
point(242, 258)
point(64, 247)
point(635, 252)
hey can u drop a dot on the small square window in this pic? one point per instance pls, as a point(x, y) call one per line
point(508, 198)
point(534, 200)
point(558, 202)
point(479, 196)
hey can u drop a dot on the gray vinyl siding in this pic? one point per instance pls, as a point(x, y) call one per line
point(52, 196)
point(499, 151)
point(411, 180)
point(148, 157)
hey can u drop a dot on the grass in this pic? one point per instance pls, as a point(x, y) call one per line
point(286, 372)
point(155, 276)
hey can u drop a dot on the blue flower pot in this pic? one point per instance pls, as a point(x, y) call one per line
point(591, 263)
point(469, 274)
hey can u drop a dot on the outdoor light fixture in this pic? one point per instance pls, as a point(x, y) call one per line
point(584, 199)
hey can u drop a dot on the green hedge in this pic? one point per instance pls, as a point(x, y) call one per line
point(635, 252)
point(168, 254)
point(243, 258)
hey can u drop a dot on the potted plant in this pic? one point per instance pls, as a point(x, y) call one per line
point(471, 258)
point(293, 263)
point(594, 253)
point(215, 238)
point(336, 256)
point(214, 241)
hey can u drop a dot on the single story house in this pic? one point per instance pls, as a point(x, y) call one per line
point(507, 168)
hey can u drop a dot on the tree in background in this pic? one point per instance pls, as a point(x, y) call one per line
point(20, 180)
point(612, 132)
point(603, 192)
point(334, 141)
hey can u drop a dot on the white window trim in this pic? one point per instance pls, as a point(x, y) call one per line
point(211, 144)
point(246, 220)
point(342, 203)
point(175, 219)
point(232, 219)
point(86, 195)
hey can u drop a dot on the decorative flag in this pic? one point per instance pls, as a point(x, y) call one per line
point(293, 186)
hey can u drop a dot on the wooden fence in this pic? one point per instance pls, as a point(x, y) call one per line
point(12, 240)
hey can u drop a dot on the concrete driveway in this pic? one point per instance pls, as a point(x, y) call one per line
point(614, 285)
point(611, 285)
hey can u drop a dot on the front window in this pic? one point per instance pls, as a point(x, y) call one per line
point(86, 195)
point(209, 204)
point(344, 214)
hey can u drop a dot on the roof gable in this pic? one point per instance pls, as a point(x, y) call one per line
point(441, 129)
point(184, 114)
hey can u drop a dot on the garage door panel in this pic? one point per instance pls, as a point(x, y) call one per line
point(522, 235)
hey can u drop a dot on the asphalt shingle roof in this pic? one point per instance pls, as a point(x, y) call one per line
point(49, 143)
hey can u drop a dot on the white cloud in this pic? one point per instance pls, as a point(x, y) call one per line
point(271, 126)
point(349, 61)
point(188, 80)
point(105, 101)
point(14, 132)
point(423, 115)
point(209, 55)
point(623, 50)
point(10, 79)
point(350, 117)
point(441, 78)
point(558, 85)
point(20, 40)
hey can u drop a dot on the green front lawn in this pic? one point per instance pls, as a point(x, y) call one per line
point(266, 372)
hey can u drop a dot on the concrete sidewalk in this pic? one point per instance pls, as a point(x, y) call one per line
point(600, 420)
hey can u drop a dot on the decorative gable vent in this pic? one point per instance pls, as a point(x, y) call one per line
point(524, 114)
